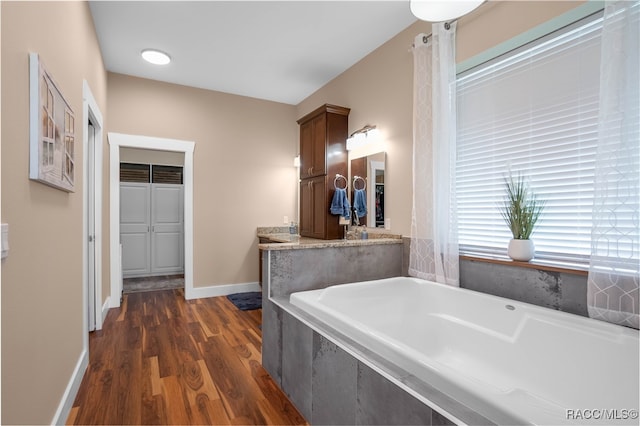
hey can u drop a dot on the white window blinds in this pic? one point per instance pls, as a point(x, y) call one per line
point(533, 112)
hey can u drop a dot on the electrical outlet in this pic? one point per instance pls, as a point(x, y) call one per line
point(285, 219)
point(387, 223)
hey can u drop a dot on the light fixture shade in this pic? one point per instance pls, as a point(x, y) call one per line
point(442, 10)
point(362, 137)
point(373, 135)
point(155, 57)
point(356, 141)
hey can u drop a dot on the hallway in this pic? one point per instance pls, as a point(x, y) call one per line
point(162, 360)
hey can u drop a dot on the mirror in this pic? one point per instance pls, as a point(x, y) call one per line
point(372, 171)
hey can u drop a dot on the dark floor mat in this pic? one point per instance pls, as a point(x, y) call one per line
point(246, 301)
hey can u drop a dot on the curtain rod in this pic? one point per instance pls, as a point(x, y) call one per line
point(425, 38)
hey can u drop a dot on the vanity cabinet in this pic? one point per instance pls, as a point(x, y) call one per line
point(323, 154)
point(313, 217)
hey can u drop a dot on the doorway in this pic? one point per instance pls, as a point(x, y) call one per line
point(116, 142)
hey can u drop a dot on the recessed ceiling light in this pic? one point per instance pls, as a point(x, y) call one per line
point(155, 57)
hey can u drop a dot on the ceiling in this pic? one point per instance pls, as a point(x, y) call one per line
point(281, 51)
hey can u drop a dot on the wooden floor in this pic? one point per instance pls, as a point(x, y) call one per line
point(162, 360)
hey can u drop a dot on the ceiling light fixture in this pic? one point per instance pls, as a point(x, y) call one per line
point(155, 57)
point(362, 137)
point(442, 10)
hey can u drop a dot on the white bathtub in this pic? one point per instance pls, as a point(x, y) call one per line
point(537, 365)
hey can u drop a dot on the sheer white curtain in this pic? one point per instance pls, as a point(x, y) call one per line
point(434, 240)
point(612, 292)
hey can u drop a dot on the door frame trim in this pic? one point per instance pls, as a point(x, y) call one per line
point(116, 141)
point(91, 111)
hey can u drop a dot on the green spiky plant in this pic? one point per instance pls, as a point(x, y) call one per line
point(521, 208)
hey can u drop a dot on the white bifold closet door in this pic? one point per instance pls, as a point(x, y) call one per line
point(151, 229)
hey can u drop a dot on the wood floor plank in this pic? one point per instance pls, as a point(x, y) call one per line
point(123, 310)
point(151, 389)
point(235, 388)
point(217, 413)
point(129, 384)
point(154, 375)
point(162, 360)
point(173, 396)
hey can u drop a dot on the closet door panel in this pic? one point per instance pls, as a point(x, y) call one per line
point(135, 228)
point(167, 224)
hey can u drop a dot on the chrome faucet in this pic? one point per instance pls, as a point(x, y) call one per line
point(356, 219)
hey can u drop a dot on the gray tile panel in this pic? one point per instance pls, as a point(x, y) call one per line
point(381, 402)
point(297, 357)
point(334, 384)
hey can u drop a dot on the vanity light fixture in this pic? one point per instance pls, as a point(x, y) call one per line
point(442, 10)
point(155, 57)
point(362, 137)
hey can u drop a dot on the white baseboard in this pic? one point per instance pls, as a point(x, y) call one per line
point(71, 391)
point(220, 290)
point(105, 308)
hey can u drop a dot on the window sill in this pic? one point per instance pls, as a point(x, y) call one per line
point(532, 264)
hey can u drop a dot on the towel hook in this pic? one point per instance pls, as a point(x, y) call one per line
point(364, 183)
point(335, 181)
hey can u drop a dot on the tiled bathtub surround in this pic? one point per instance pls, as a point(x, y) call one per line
point(561, 291)
point(304, 355)
point(326, 382)
point(555, 290)
point(297, 269)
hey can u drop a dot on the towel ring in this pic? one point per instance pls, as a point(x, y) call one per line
point(335, 181)
point(364, 182)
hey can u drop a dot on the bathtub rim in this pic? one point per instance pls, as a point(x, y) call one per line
point(597, 326)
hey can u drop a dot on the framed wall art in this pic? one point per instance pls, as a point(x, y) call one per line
point(51, 130)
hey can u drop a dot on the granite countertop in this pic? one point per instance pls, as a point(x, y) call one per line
point(287, 241)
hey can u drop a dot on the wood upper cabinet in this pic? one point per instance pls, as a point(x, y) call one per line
point(323, 132)
point(313, 147)
point(323, 154)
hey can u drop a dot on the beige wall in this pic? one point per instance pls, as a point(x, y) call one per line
point(151, 156)
point(379, 88)
point(243, 165)
point(42, 277)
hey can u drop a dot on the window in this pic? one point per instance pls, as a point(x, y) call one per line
point(533, 111)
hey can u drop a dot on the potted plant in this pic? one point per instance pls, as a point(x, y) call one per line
point(520, 210)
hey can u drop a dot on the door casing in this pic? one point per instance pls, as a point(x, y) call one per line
point(90, 111)
point(116, 141)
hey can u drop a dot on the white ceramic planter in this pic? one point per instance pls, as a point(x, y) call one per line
point(522, 250)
